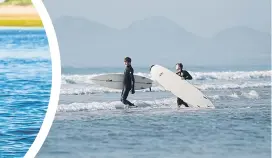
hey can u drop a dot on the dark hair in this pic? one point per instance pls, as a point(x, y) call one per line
point(180, 65)
point(151, 67)
point(127, 59)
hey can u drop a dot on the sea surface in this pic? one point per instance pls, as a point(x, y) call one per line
point(25, 83)
point(89, 124)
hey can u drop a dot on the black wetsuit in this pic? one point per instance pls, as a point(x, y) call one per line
point(185, 74)
point(128, 84)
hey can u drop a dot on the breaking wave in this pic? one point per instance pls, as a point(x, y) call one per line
point(82, 84)
point(157, 103)
point(229, 76)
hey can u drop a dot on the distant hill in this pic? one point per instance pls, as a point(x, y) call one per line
point(155, 40)
point(242, 43)
point(243, 39)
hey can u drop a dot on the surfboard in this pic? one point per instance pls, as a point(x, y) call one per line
point(115, 81)
point(180, 88)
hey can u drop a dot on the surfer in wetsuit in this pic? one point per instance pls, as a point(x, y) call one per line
point(185, 76)
point(128, 82)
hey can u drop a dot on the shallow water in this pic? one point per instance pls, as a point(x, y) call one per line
point(89, 125)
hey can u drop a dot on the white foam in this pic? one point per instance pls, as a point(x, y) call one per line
point(233, 86)
point(233, 95)
point(231, 75)
point(251, 95)
point(204, 81)
point(215, 97)
point(87, 89)
point(41, 53)
point(157, 103)
point(237, 95)
point(227, 96)
point(93, 106)
point(93, 89)
point(196, 75)
point(21, 28)
point(68, 79)
point(74, 107)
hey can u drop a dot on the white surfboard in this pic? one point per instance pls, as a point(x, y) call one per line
point(115, 81)
point(180, 88)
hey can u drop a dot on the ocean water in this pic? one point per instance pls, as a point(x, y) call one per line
point(89, 124)
point(25, 83)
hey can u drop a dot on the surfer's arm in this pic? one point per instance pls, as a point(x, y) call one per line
point(132, 78)
point(187, 76)
point(132, 81)
point(125, 76)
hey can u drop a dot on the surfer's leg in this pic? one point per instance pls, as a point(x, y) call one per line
point(124, 100)
point(184, 103)
point(129, 103)
point(122, 95)
point(179, 102)
point(126, 94)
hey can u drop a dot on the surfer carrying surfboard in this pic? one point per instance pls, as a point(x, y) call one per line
point(128, 82)
point(185, 76)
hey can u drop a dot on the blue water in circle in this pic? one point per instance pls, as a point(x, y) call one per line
point(25, 83)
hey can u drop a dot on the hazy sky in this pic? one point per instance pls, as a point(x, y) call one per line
point(202, 17)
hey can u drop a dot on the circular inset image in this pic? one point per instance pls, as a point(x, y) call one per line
point(25, 76)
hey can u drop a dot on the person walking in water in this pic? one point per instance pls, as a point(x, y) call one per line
point(185, 76)
point(128, 82)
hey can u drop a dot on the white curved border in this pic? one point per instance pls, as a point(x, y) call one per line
point(56, 79)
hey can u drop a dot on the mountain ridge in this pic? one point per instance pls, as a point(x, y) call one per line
point(158, 35)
